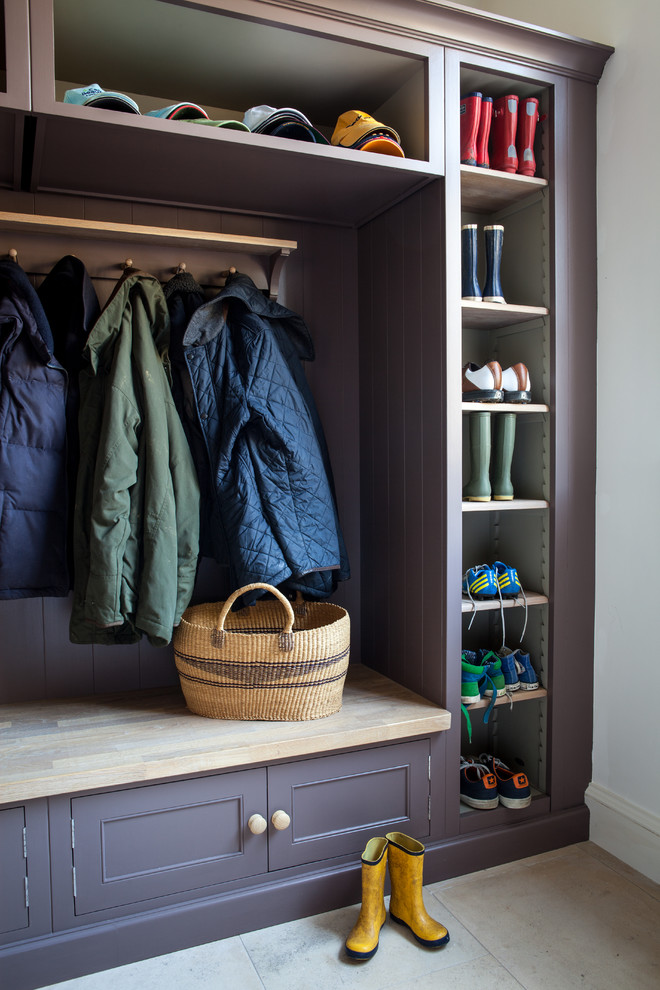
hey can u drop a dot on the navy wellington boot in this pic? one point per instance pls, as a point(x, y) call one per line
point(494, 237)
point(470, 286)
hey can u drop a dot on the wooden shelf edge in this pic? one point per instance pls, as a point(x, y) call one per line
point(533, 598)
point(516, 696)
point(484, 176)
point(516, 407)
point(513, 505)
point(138, 232)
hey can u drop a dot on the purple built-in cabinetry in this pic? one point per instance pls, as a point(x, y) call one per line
point(154, 866)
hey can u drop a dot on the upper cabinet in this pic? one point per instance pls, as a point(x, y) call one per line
point(218, 56)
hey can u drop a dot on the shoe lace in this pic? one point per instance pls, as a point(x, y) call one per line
point(521, 592)
point(472, 763)
point(476, 568)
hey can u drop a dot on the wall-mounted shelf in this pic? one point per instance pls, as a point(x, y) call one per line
point(486, 190)
point(508, 699)
point(532, 597)
point(511, 505)
point(276, 250)
point(489, 316)
point(515, 407)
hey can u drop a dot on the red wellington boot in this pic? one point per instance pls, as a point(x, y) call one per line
point(483, 133)
point(528, 117)
point(470, 116)
point(503, 154)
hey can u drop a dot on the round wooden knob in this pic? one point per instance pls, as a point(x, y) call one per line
point(257, 824)
point(280, 820)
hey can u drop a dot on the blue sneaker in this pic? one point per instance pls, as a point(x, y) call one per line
point(478, 785)
point(513, 787)
point(492, 666)
point(480, 582)
point(526, 673)
point(509, 668)
point(507, 580)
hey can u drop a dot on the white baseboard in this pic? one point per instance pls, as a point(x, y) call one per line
point(625, 830)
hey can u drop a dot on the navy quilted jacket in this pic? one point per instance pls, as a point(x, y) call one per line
point(272, 513)
point(33, 498)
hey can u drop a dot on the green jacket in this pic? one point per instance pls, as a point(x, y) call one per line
point(136, 523)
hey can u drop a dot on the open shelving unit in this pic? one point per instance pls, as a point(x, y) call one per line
point(372, 251)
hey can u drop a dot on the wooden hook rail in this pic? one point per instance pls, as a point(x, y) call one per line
point(277, 251)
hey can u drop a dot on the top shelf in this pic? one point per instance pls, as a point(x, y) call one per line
point(486, 191)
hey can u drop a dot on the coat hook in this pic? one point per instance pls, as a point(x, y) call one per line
point(13, 254)
point(230, 271)
point(128, 263)
point(181, 268)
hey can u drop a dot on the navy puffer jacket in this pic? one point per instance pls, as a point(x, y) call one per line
point(33, 499)
point(272, 508)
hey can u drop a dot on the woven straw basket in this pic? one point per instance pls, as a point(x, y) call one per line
point(263, 661)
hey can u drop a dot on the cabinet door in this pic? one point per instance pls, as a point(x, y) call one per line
point(13, 872)
point(336, 803)
point(146, 842)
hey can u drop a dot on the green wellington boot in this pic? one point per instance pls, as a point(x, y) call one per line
point(505, 437)
point(478, 487)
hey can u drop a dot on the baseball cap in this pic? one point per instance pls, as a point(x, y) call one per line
point(235, 125)
point(360, 131)
point(179, 111)
point(282, 122)
point(94, 96)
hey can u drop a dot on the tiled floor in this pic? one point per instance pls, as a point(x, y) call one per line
point(576, 917)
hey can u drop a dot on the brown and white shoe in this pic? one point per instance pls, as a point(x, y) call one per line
point(482, 384)
point(516, 386)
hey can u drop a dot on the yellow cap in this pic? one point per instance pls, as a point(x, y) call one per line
point(355, 125)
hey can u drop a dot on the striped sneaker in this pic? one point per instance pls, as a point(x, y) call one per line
point(480, 581)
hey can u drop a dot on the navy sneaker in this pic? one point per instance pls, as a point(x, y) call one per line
point(478, 785)
point(526, 673)
point(512, 787)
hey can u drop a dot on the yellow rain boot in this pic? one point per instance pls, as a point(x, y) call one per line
point(362, 943)
point(406, 858)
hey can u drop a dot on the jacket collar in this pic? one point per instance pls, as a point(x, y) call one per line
point(209, 320)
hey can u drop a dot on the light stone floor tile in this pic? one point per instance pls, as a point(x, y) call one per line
point(561, 921)
point(484, 973)
point(302, 954)
point(648, 885)
point(216, 966)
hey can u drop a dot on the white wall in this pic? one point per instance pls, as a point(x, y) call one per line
point(624, 796)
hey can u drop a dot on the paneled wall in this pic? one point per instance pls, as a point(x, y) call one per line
point(320, 282)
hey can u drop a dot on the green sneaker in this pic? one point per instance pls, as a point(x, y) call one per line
point(473, 677)
point(492, 664)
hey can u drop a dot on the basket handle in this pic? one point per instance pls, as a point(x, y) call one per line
point(286, 636)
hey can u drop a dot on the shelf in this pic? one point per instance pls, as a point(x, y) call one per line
point(511, 505)
point(277, 250)
point(487, 190)
point(305, 181)
point(515, 697)
point(490, 316)
point(476, 819)
point(515, 407)
point(533, 598)
point(101, 229)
